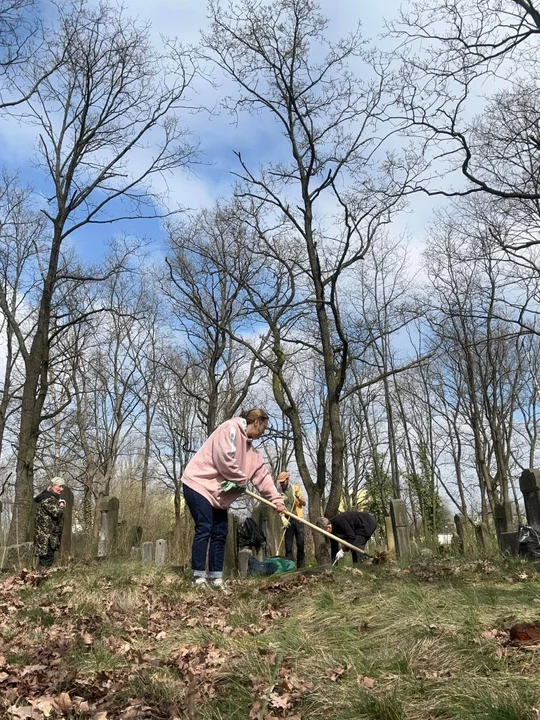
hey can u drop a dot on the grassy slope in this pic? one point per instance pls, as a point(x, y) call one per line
point(383, 643)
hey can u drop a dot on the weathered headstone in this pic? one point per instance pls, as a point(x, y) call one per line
point(529, 482)
point(148, 552)
point(270, 523)
point(108, 532)
point(400, 526)
point(504, 517)
point(243, 559)
point(65, 547)
point(504, 520)
point(460, 521)
point(509, 543)
point(135, 553)
point(480, 533)
point(161, 552)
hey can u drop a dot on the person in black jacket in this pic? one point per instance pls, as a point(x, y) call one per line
point(352, 526)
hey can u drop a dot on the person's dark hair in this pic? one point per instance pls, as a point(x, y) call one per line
point(322, 523)
point(254, 414)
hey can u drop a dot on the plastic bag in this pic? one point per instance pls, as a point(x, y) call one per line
point(270, 566)
point(529, 542)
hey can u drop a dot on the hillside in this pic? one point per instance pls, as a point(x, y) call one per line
point(380, 643)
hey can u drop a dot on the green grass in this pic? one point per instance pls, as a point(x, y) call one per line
point(424, 642)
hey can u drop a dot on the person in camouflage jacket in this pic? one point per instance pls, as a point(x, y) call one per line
point(49, 521)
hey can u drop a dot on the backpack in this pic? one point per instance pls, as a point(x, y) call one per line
point(251, 535)
point(529, 542)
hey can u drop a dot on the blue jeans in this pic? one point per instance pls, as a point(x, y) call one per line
point(211, 526)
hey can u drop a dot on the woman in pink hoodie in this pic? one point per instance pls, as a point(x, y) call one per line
point(214, 478)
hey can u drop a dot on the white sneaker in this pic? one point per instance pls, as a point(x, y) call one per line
point(217, 583)
point(201, 582)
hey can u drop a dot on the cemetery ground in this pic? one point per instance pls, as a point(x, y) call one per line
point(386, 642)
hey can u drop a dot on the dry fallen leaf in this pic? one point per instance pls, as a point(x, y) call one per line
point(87, 638)
point(334, 673)
point(63, 702)
point(25, 712)
point(366, 681)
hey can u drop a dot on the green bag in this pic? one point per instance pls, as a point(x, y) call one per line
point(270, 566)
point(283, 565)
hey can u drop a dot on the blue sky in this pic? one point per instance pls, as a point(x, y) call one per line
point(218, 136)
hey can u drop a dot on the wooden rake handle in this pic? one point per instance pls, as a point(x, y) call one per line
point(306, 522)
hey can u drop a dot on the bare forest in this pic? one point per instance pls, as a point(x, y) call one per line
point(371, 277)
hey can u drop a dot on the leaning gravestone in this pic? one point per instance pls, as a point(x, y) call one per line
point(400, 526)
point(161, 552)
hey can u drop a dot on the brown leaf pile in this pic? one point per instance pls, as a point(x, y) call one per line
point(39, 680)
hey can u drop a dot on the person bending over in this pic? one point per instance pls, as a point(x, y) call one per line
point(214, 478)
point(353, 526)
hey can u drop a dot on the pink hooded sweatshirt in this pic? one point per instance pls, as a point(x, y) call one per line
point(229, 455)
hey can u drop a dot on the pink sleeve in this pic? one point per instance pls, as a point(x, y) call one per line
point(224, 454)
point(265, 485)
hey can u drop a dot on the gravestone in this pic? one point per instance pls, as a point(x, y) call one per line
point(529, 482)
point(400, 527)
point(108, 531)
point(161, 552)
point(504, 520)
point(135, 553)
point(480, 533)
point(243, 559)
point(270, 523)
point(509, 543)
point(148, 552)
point(65, 546)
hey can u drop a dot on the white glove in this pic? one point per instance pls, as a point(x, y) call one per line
point(339, 555)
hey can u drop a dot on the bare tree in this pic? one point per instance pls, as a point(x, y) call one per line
point(92, 115)
point(284, 67)
point(466, 277)
point(21, 231)
point(207, 269)
point(450, 49)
